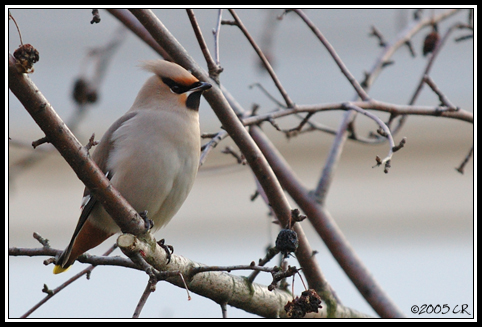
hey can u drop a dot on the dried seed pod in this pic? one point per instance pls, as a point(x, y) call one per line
point(26, 56)
point(287, 241)
point(95, 16)
point(83, 92)
point(431, 41)
point(309, 301)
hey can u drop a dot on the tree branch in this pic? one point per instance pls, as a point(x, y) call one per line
point(218, 285)
point(359, 90)
point(284, 94)
point(46, 250)
point(391, 108)
point(213, 68)
point(126, 18)
point(229, 289)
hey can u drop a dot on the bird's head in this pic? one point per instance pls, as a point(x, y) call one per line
point(172, 86)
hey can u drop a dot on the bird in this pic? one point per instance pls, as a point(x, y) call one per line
point(150, 155)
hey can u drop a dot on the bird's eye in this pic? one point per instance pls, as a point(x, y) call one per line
point(175, 88)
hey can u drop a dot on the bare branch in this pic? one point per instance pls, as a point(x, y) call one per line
point(215, 283)
point(48, 251)
point(145, 295)
point(376, 33)
point(213, 68)
point(126, 18)
point(208, 147)
point(216, 33)
point(391, 108)
point(383, 126)
point(460, 168)
point(239, 158)
point(40, 141)
point(341, 136)
point(431, 60)
point(269, 255)
point(284, 94)
point(359, 90)
point(406, 34)
point(443, 99)
point(10, 16)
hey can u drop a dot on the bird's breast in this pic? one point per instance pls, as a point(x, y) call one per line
point(162, 152)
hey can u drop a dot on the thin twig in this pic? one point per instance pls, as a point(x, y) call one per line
point(126, 18)
point(40, 141)
point(200, 269)
point(208, 147)
point(216, 33)
point(45, 242)
point(297, 129)
point(284, 94)
point(291, 131)
point(442, 97)
point(376, 33)
point(359, 90)
point(10, 16)
point(270, 254)
point(380, 123)
point(142, 301)
point(431, 61)
point(401, 122)
point(185, 285)
point(375, 105)
point(224, 309)
point(460, 168)
point(239, 157)
point(213, 68)
point(53, 292)
point(271, 97)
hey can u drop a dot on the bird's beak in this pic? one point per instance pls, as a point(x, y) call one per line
point(203, 86)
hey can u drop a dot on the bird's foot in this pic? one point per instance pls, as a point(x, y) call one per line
point(168, 248)
point(148, 223)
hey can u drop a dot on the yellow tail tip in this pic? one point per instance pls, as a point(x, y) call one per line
point(58, 269)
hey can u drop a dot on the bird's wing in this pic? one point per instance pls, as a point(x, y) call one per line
point(100, 156)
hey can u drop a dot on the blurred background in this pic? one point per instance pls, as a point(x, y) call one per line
point(412, 227)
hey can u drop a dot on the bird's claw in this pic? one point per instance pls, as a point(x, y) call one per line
point(148, 223)
point(168, 248)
